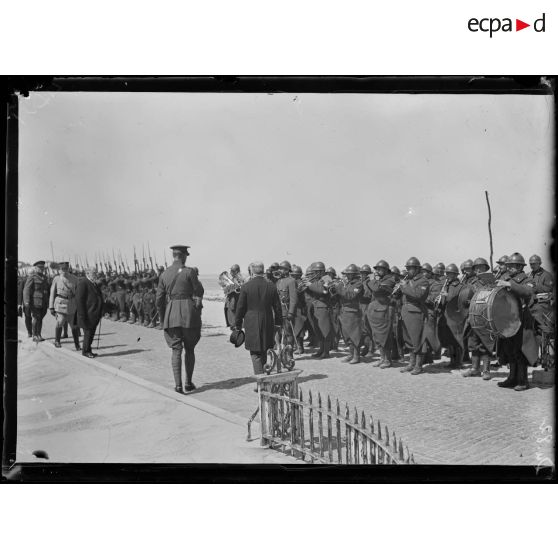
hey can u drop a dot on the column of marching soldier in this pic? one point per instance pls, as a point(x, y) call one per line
point(395, 313)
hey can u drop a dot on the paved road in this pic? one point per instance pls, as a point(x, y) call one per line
point(441, 416)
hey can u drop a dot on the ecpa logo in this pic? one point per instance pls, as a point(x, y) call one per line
point(493, 25)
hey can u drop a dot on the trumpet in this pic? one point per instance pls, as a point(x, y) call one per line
point(228, 284)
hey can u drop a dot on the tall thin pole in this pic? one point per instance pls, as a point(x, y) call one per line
point(489, 228)
point(51, 251)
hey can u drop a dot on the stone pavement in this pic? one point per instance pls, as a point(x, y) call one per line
point(441, 416)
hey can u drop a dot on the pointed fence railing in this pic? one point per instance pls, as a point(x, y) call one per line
point(324, 433)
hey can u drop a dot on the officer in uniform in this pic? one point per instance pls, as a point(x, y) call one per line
point(349, 292)
point(21, 280)
point(286, 288)
point(540, 306)
point(62, 303)
point(414, 291)
point(319, 309)
point(35, 298)
point(380, 311)
point(300, 321)
point(521, 349)
point(179, 301)
point(479, 341)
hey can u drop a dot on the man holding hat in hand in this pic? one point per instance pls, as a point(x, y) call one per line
point(179, 301)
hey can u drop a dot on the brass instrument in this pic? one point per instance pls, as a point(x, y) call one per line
point(228, 284)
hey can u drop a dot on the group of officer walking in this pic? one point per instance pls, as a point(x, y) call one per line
point(421, 311)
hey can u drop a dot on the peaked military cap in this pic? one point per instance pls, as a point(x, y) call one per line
point(39, 263)
point(181, 248)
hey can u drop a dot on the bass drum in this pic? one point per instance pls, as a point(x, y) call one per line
point(495, 310)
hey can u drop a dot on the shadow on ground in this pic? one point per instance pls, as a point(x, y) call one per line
point(124, 353)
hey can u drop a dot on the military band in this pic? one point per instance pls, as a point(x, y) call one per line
point(379, 311)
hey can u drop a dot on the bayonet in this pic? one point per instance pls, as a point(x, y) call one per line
point(150, 258)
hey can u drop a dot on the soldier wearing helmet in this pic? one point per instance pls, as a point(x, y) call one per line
point(350, 316)
point(300, 321)
point(467, 273)
point(414, 291)
point(367, 342)
point(451, 320)
point(438, 272)
point(501, 271)
point(521, 349)
point(331, 277)
point(541, 305)
point(481, 343)
point(432, 342)
point(286, 288)
point(426, 269)
point(380, 312)
point(318, 303)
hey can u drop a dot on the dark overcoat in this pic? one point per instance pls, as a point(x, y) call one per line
point(413, 311)
point(36, 293)
point(350, 316)
point(318, 302)
point(89, 304)
point(452, 323)
point(259, 310)
point(540, 305)
point(380, 309)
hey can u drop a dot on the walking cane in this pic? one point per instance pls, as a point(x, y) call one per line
point(99, 334)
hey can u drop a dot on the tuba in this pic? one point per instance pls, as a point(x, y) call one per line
point(228, 284)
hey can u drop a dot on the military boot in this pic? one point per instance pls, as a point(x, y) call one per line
point(521, 376)
point(349, 357)
point(356, 356)
point(75, 335)
point(386, 362)
point(379, 363)
point(320, 350)
point(474, 370)
point(325, 354)
point(511, 380)
point(176, 362)
point(412, 362)
point(65, 331)
point(57, 334)
point(418, 365)
point(485, 365)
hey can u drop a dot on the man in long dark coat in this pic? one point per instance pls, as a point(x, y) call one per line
point(380, 311)
point(414, 291)
point(89, 309)
point(540, 305)
point(521, 349)
point(350, 317)
point(179, 302)
point(259, 310)
point(300, 321)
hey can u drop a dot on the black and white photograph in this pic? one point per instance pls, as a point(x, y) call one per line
point(284, 277)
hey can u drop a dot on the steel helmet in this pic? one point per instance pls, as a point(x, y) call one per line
point(502, 260)
point(318, 266)
point(480, 261)
point(274, 265)
point(365, 269)
point(437, 270)
point(441, 265)
point(535, 259)
point(285, 265)
point(382, 264)
point(452, 268)
point(296, 270)
point(427, 267)
point(351, 269)
point(412, 262)
point(331, 271)
point(516, 258)
point(235, 268)
point(395, 270)
point(466, 264)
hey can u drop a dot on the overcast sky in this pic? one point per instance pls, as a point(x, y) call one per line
point(345, 178)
